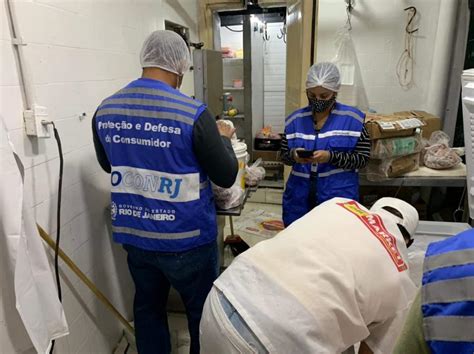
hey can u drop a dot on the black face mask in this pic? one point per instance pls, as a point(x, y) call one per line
point(319, 106)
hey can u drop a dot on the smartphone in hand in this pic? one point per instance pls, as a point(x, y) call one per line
point(304, 154)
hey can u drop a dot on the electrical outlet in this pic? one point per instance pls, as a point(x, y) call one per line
point(34, 119)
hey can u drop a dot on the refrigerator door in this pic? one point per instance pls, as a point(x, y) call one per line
point(468, 121)
point(208, 82)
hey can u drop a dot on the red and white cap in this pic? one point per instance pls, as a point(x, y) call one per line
point(408, 212)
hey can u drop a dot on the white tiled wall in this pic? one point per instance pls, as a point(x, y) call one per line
point(79, 52)
point(378, 34)
point(274, 78)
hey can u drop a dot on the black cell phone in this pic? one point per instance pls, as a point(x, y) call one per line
point(304, 153)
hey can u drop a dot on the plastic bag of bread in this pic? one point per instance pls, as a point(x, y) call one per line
point(227, 198)
point(393, 147)
point(254, 173)
point(438, 155)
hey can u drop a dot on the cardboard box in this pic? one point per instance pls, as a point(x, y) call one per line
point(381, 126)
point(393, 147)
point(378, 170)
point(432, 123)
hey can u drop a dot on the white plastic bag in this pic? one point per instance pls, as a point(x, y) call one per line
point(230, 124)
point(254, 173)
point(227, 198)
point(438, 155)
point(352, 91)
point(441, 157)
point(439, 137)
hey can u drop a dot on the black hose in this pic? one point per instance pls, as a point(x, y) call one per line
point(58, 219)
point(313, 33)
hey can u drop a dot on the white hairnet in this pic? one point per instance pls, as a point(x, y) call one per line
point(409, 213)
point(165, 50)
point(325, 75)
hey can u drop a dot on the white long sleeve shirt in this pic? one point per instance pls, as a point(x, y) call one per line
point(336, 277)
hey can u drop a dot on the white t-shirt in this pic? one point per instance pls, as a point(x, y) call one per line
point(336, 277)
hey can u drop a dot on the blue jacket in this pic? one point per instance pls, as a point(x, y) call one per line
point(161, 198)
point(448, 295)
point(340, 133)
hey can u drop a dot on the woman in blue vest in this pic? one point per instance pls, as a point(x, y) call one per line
point(335, 140)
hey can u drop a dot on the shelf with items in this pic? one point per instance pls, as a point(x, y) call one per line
point(231, 88)
point(234, 87)
point(238, 116)
point(232, 60)
point(233, 71)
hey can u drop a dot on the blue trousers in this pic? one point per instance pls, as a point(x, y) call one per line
point(191, 273)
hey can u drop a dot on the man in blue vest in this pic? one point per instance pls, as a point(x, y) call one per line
point(162, 149)
point(441, 319)
point(325, 143)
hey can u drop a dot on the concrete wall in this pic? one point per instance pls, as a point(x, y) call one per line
point(79, 52)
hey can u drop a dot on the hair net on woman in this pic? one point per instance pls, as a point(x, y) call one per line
point(165, 50)
point(325, 75)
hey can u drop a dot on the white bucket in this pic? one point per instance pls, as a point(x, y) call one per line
point(240, 150)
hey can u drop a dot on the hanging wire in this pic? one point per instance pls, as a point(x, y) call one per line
point(460, 208)
point(233, 30)
point(399, 188)
point(283, 32)
point(266, 36)
point(349, 8)
point(405, 65)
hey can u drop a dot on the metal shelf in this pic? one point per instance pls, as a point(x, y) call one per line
point(238, 209)
point(417, 181)
point(280, 184)
point(238, 116)
point(230, 88)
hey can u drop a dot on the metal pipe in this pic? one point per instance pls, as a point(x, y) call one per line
point(457, 65)
point(23, 70)
point(231, 225)
point(44, 235)
point(442, 57)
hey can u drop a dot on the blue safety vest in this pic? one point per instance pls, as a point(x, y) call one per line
point(161, 198)
point(340, 133)
point(448, 295)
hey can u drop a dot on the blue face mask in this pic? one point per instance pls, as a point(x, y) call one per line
point(319, 106)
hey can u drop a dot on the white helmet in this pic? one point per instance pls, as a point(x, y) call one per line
point(409, 214)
